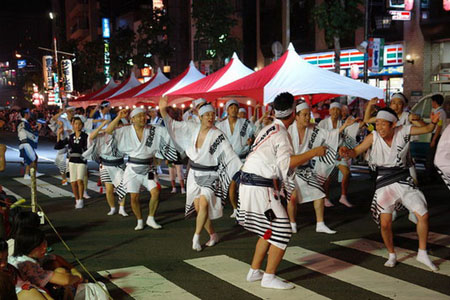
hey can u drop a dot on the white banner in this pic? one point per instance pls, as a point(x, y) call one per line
point(47, 62)
point(66, 67)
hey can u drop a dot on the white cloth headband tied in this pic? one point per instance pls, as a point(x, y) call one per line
point(283, 113)
point(335, 105)
point(205, 108)
point(242, 110)
point(399, 96)
point(198, 102)
point(301, 106)
point(136, 111)
point(231, 102)
point(385, 115)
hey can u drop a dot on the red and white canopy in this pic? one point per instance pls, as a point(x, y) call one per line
point(294, 75)
point(190, 75)
point(128, 84)
point(126, 98)
point(232, 71)
point(107, 87)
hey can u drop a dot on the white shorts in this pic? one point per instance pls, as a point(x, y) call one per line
point(77, 171)
point(133, 181)
point(412, 198)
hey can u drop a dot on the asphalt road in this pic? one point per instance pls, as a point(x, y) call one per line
point(161, 264)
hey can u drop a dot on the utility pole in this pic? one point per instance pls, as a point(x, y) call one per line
point(366, 34)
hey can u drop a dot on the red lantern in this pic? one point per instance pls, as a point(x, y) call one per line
point(354, 71)
point(446, 5)
point(409, 4)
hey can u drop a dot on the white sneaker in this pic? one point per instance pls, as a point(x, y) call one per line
point(174, 190)
point(269, 281)
point(183, 190)
point(392, 261)
point(423, 257)
point(152, 223)
point(254, 275)
point(86, 196)
point(327, 203)
point(27, 177)
point(79, 204)
point(322, 228)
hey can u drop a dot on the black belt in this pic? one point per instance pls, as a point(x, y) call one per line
point(199, 167)
point(139, 161)
point(390, 176)
point(24, 142)
point(242, 156)
point(256, 180)
point(112, 162)
point(74, 155)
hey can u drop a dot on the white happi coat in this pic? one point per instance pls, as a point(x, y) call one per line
point(310, 178)
point(442, 158)
point(401, 191)
point(215, 151)
point(154, 139)
point(243, 130)
point(269, 157)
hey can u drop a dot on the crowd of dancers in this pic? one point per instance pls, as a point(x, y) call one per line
point(265, 168)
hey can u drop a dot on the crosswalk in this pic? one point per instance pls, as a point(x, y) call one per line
point(140, 282)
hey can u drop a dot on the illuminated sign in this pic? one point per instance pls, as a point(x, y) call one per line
point(66, 66)
point(105, 28)
point(400, 15)
point(145, 72)
point(158, 4)
point(376, 55)
point(106, 59)
point(21, 63)
point(47, 62)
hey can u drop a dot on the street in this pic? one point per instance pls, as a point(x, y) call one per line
point(160, 264)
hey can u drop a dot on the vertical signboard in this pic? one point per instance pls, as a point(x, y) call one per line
point(66, 66)
point(47, 62)
point(106, 57)
point(376, 54)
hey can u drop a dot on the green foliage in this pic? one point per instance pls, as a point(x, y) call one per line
point(338, 18)
point(121, 52)
point(213, 22)
point(152, 43)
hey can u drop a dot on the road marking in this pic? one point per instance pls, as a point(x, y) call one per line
point(45, 188)
point(9, 192)
point(364, 278)
point(92, 186)
point(39, 157)
point(433, 238)
point(142, 283)
point(404, 256)
point(234, 272)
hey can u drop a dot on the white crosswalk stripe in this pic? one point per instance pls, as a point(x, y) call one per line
point(234, 272)
point(92, 185)
point(142, 283)
point(46, 188)
point(404, 256)
point(9, 192)
point(358, 276)
point(433, 238)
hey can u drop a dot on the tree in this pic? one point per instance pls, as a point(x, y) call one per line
point(152, 45)
point(339, 19)
point(121, 48)
point(213, 21)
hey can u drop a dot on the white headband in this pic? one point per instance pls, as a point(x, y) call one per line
point(81, 117)
point(301, 106)
point(198, 102)
point(70, 108)
point(399, 96)
point(231, 102)
point(205, 108)
point(283, 113)
point(242, 110)
point(385, 115)
point(137, 111)
point(335, 105)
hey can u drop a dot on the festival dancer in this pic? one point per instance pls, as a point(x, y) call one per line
point(140, 142)
point(103, 149)
point(388, 156)
point(239, 133)
point(192, 113)
point(343, 165)
point(442, 158)
point(76, 143)
point(261, 208)
point(310, 179)
point(28, 139)
point(213, 164)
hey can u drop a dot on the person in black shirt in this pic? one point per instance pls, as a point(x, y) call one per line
point(77, 144)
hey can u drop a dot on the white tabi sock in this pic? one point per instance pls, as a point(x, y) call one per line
point(233, 215)
point(271, 282)
point(152, 223)
point(122, 211)
point(422, 257)
point(140, 225)
point(254, 275)
point(322, 228)
point(213, 239)
point(392, 261)
point(196, 243)
point(183, 191)
point(294, 227)
point(112, 211)
point(79, 204)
